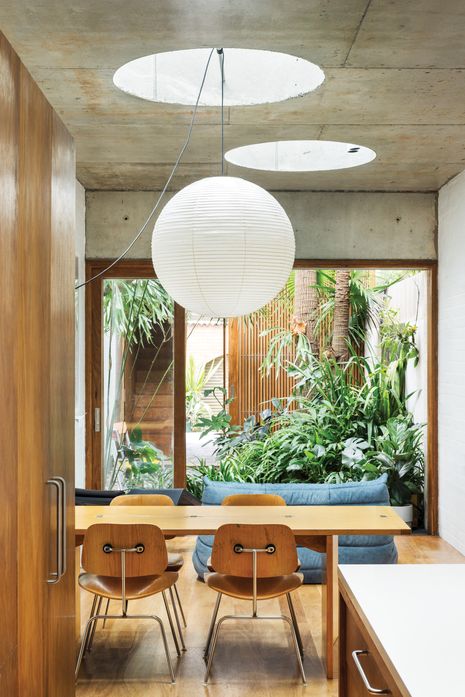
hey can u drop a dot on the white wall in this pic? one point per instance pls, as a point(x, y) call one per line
point(410, 298)
point(327, 225)
point(80, 249)
point(451, 219)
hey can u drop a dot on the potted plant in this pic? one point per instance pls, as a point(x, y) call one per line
point(400, 455)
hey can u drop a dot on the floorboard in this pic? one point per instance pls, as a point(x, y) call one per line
point(126, 659)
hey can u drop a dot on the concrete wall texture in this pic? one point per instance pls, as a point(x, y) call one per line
point(327, 225)
point(451, 219)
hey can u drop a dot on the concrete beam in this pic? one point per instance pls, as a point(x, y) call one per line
point(327, 225)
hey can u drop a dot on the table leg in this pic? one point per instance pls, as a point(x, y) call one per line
point(330, 606)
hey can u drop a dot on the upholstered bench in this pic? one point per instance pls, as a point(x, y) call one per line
point(354, 549)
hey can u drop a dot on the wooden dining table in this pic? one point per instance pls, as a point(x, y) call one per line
point(314, 527)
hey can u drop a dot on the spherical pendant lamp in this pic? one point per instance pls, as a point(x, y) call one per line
point(223, 247)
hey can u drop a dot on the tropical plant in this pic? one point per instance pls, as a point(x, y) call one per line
point(197, 377)
point(306, 304)
point(224, 471)
point(131, 308)
point(339, 431)
point(341, 315)
point(400, 455)
point(218, 425)
point(132, 311)
point(140, 463)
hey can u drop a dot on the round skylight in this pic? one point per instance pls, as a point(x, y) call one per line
point(300, 155)
point(251, 77)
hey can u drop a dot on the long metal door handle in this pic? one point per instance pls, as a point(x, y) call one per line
point(56, 575)
point(63, 543)
point(371, 690)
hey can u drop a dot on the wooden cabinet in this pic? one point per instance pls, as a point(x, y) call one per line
point(361, 664)
point(407, 620)
point(37, 201)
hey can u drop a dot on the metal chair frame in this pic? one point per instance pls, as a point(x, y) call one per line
point(95, 615)
point(215, 625)
point(176, 595)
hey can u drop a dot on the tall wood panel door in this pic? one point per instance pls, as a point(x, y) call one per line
point(37, 200)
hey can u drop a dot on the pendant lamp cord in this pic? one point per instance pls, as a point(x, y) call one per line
point(168, 181)
point(220, 53)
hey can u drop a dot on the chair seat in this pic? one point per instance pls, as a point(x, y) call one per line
point(175, 561)
point(241, 588)
point(137, 587)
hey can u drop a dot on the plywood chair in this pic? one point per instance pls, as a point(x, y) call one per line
point(125, 562)
point(262, 500)
point(253, 562)
point(175, 560)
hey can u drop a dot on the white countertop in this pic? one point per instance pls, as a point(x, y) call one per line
point(417, 611)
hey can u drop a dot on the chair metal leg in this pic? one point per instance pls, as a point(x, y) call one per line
point(180, 605)
point(296, 647)
point(213, 648)
point(85, 638)
point(176, 617)
point(295, 623)
point(170, 620)
point(165, 644)
point(92, 613)
point(107, 607)
point(212, 625)
point(254, 617)
point(92, 634)
point(92, 621)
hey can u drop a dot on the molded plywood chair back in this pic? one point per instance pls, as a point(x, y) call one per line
point(253, 500)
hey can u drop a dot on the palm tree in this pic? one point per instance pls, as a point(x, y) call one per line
point(306, 303)
point(339, 345)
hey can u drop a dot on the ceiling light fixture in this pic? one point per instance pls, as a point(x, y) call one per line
point(300, 156)
point(223, 246)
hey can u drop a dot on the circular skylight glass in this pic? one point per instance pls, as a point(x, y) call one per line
point(250, 77)
point(300, 155)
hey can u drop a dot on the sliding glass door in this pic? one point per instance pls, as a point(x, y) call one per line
point(137, 419)
point(136, 353)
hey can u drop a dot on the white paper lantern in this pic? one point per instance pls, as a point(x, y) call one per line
point(223, 247)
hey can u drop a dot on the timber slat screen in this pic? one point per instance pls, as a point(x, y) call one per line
point(248, 343)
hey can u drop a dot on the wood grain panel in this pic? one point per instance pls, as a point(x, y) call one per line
point(9, 69)
point(205, 520)
point(61, 598)
point(37, 199)
point(33, 307)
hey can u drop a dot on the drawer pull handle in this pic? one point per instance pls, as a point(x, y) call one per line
point(371, 690)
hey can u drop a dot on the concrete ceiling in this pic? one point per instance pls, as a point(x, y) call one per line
point(395, 81)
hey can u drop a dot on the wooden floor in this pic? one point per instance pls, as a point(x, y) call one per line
point(251, 660)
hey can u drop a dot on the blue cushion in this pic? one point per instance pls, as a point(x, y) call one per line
point(353, 549)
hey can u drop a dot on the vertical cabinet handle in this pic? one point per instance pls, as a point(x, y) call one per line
point(59, 486)
point(64, 550)
point(371, 690)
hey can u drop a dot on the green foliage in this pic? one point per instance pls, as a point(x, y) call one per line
point(131, 308)
point(197, 377)
point(141, 464)
point(400, 455)
point(340, 431)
